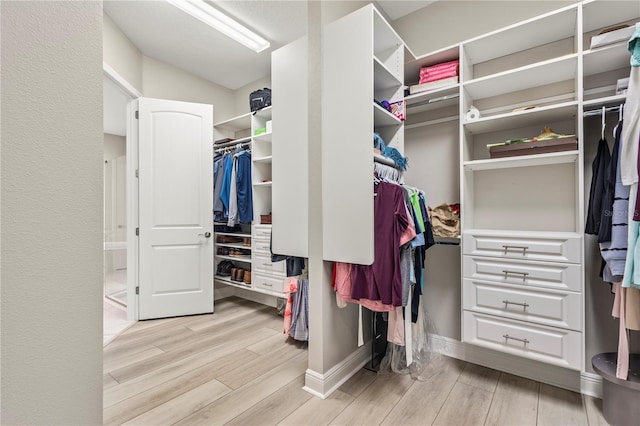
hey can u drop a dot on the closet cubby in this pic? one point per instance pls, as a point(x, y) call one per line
point(261, 158)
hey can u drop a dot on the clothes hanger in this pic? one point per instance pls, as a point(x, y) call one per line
point(604, 122)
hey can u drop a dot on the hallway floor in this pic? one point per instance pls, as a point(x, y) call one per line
point(236, 367)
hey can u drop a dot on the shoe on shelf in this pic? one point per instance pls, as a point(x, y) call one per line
point(247, 277)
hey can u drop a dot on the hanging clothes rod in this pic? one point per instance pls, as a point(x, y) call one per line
point(232, 147)
point(599, 111)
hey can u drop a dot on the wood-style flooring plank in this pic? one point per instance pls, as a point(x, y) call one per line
point(318, 412)
point(560, 407)
point(421, 404)
point(257, 367)
point(108, 381)
point(126, 344)
point(183, 405)
point(228, 356)
point(515, 402)
point(122, 361)
point(480, 377)
point(271, 344)
point(235, 403)
point(594, 411)
point(228, 315)
point(358, 382)
point(465, 405)
point(375, 402)
point(162, 393)
point(276, 406)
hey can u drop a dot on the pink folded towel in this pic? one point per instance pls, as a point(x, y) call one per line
point(439, 71)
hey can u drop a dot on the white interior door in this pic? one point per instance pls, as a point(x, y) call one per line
point(175, 208)
point(120, 210)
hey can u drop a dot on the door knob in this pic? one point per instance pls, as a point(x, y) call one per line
point(206, 235)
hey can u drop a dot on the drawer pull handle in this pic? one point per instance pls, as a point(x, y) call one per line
point(507, 273)
point(508, 247)
point(268, 264)
point(506, 336)
point(267, 284)
point(507, 302)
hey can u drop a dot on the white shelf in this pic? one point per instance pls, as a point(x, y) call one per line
point(547, 28)
point(385, 37)
point(233, 234)
point(266, 160)
point(522, 161)
point(606, 58)
point(605, 101)
point(239, 246)
point(447, 240)
point(431, 96)
point(264, 113)
point(513, 120)
point(599, 14)
point(263, 184)
point(382, 117)
point(238, 284)
point(232, 143)
point(383, 78)
point(521, 234)
point(243, 259)
point(534, 75)
point(241, 122)
point(263, 137)
point(384, 160)
point(412, 66)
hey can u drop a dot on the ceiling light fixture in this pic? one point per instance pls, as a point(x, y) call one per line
point(204, 12)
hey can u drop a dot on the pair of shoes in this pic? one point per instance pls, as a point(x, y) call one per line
point(237, 274)
point(247, 277)
point(246, 241)
point(224, 268)
point(223, 251)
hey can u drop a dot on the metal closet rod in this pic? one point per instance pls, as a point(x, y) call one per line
point(598, 111)
point(232, 147)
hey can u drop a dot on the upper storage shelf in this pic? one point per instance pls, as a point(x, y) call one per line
point(514, 120)
point(241, 122)
point(529, 76)
point(606, 58)
point(412, 66)
point(554, 26)
point(600, 14)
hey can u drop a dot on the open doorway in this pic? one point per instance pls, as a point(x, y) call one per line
point(115, 101)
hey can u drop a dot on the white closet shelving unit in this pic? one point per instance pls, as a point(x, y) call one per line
point(363, 60)
point(522, 244)
point(265, 275)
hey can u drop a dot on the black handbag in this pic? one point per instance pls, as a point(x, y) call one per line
point(259, 99)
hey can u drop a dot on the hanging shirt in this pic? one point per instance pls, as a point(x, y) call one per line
point(226, 182)
point(598, 167)
point(382, 280)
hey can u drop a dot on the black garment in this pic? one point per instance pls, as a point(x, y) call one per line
point(596, 194)
point(295, 265)
point(606, 218)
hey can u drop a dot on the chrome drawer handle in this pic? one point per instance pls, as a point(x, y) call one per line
point(508, 247)
point(506, 336)
point(267, 264)
point(507, 273)
point(267, 284)
point(507, 302)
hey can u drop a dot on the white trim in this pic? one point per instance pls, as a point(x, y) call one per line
point(585, 383)
point(132, 211)
point(323, 385)
point(120, 81)
point(591, 384)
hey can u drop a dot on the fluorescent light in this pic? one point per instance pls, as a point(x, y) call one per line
point(211, 16)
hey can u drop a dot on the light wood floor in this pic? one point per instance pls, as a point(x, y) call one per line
point(236, 367)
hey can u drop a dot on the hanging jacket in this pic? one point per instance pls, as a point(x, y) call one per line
point(604, 234)
point(599, 168)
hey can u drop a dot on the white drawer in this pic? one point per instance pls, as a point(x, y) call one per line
point(559, 276)
point(523, 246)
point(264, 265)
point(538, 342)
point(261, 232)
point(263, 282)
point(262, 247)
point(548, 307)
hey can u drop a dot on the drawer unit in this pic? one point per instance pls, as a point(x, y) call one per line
point(269, 283)
point(557, 276)
point(525, 246)
point(264, 265)
point(546, 344)
point(262, 232)
point(261, 247)
point(548, 307)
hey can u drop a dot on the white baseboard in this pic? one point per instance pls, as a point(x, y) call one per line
point(323, 385)
point(581, 382)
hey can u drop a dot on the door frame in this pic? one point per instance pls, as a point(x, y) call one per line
point(132, 189)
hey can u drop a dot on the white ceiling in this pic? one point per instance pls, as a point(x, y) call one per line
point(163, 32)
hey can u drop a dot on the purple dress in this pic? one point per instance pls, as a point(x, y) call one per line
point(382, 280)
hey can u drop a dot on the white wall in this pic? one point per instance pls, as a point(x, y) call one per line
point(51, 212)
point(121, 54)
point(114, 146)
point(444, 23)
point(164, 81)
point(241, 94)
